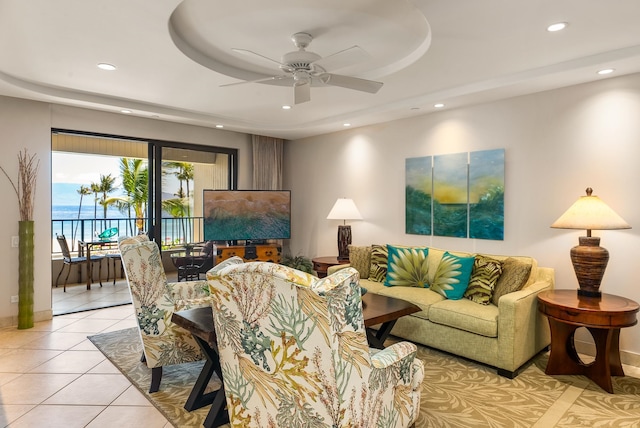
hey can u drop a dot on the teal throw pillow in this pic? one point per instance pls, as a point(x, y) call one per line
point(407, 266)
point(452, 276)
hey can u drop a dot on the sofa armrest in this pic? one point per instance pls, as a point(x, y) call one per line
point(333, 269)
point(522, 330)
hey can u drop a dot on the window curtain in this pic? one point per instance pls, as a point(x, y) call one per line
point(267, 162)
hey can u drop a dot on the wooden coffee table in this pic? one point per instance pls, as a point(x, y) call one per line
point(384, 310)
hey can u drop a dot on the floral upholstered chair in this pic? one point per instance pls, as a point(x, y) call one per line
point(294, 352)
point(155, 300)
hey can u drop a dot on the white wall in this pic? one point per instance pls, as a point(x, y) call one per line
point(28, 124)
point(557, 143)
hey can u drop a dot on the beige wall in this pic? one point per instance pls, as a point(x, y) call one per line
point(28, 124)
point(556, 144)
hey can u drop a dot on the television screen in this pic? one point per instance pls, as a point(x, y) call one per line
point(251, 215)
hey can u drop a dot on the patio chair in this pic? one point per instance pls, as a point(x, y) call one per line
point(79, 260)
point(293, 348)
point(154, 301)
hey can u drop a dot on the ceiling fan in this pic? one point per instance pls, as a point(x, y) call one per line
point(303, 69)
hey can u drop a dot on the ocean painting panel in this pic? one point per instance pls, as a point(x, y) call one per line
point(486, 194)
point(418, 188)
point(450, 195)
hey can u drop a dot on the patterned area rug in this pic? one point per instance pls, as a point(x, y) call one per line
point(455, 392)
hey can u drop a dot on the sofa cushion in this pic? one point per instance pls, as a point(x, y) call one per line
point(379, 255)
point(452, 276)
point(407, 267)
point(484, 277)
point(466, 315)
point(515, 274)
point(360, 260)
point(422, 297)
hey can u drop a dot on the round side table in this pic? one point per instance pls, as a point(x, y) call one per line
point(603, 317)
point(321, 264)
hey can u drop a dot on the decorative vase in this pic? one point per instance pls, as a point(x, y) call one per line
point(25, 274)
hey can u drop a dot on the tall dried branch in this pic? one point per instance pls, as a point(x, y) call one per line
point(26, 188)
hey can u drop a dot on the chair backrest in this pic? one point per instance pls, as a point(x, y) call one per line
point(64, 247)
point(289, 343)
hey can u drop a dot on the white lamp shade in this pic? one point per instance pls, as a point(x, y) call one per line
point(590, 213)
point(344, 209)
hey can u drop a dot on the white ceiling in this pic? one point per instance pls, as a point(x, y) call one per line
point(172, 56)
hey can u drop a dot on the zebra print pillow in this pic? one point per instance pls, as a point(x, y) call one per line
point(484, 277)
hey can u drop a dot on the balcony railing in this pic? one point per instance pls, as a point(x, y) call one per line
point(175, 231)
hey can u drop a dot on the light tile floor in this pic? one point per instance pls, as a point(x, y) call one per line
point(53, 376)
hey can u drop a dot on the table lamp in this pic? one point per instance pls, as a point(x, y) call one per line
point(344, 209)
point(589, 258)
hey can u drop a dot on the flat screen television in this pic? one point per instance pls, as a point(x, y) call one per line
point(249, 215)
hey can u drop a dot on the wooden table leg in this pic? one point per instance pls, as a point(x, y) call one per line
point(607, 362)
point(376, 339)
point(563, 358)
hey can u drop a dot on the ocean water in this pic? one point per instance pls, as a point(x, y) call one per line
point(70, 212)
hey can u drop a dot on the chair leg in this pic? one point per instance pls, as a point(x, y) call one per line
point(58, 277)
point(64, 288)
point(156, 376)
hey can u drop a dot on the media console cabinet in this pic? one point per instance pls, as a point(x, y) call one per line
point(251, 253)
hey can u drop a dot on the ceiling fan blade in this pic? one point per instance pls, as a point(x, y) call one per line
point(301, 92)
point(266, 79)
point(257, 55)
point(343, 58)
point(351, 82)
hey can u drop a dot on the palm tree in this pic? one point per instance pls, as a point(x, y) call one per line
point(95, 189)
point(106, 187)
point(184, 173)
point(135, 181)
point(177, 208)
point(82, 191)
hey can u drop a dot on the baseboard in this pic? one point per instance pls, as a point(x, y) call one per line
point(589, 348)
point(37, 316)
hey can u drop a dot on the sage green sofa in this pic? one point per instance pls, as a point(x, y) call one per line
point(504, 334)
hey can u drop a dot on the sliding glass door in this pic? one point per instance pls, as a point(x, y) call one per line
point(178, 175)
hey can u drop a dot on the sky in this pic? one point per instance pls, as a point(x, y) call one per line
point(71, 170)
point(83, 169)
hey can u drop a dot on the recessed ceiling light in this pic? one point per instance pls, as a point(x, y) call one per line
point(606, 71)
point(346, 124)
point(125, 111)
point(286, 107)
point(439, 105)
point(219, 126)
point(558, 26)
point(106, 66)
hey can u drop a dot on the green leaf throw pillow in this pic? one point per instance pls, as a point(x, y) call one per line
point(407, 267)
point(452, 276)
point(378, 270)
point(484, 277)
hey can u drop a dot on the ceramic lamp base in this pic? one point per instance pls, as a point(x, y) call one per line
point(589, 263)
